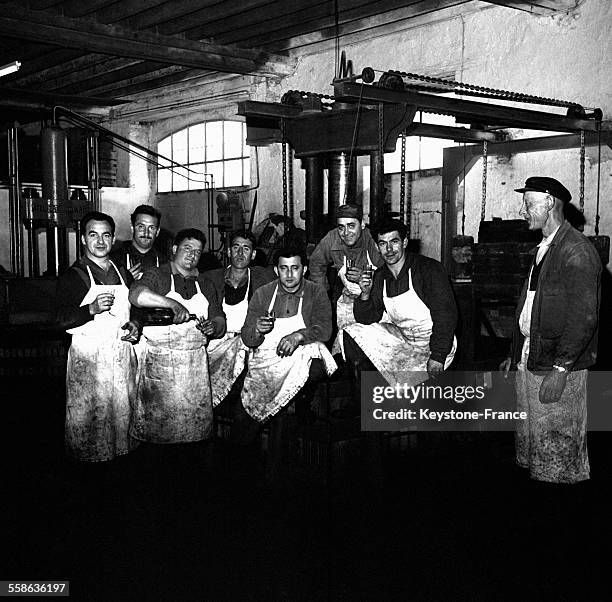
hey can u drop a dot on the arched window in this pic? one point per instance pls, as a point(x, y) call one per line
point(213, 147)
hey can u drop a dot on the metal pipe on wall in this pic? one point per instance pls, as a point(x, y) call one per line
point(16, 240)
point(314, 197)
point(342, 183)
point(93, 176)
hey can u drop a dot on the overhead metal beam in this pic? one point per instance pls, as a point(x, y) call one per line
point(466, 111)
point(90, 36)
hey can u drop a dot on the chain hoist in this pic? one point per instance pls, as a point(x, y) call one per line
point(381, 154)
point(402, 176)
point(483, 202)
point(408, 221)
point(290, 184)
point(582, 159)
point(598, 180)
point(284, 161)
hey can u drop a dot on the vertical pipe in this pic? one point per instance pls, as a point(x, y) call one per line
point(314, 197)
point(342, 183)
point(93, 170)
point(16, 240)
point(377, 186)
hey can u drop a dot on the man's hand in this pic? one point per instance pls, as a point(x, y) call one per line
point(181, 313)
point(133, 332)
point(136, 270)
point(206, 327)
point(288, 344)
point(505, 367)
point(103, 302)
point(365, 284)
point(434, 368)
point(353, 274)
point(552, 386)
point(264, 324)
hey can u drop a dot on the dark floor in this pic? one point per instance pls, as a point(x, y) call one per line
point(453, 520)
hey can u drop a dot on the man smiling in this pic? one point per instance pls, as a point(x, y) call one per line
point(406, 313)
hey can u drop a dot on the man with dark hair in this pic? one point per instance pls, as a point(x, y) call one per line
point(140, 254)
point(287, 324)
point(406, 313)
point(555, 339)
point(174, 402)
point(235, 286)
point(348, 249)
point(93, 307)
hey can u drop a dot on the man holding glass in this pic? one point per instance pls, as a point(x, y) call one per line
point(140, 254)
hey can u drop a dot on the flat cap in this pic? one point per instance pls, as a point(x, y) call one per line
point(354, 211)
point(548, 186)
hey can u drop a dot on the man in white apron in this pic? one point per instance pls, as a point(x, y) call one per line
point(101, 373)
point(174, 401)
point(140, 254)
point(406, 314)
point(287, 324)
point(235, 286)
point(349, 249)
point(555, 339)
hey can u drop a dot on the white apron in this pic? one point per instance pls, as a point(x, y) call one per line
point(272, 381)
point(227, 356)
point(344, 305)
point(399, 343)
point(100, 380)
point(174, 399)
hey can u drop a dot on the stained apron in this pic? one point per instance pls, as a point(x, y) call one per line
point(398, 345)
point(174, 401)
point(272, 381)
point(344, 305)
point(552, 442)
point(227, 356)
point(100, 380)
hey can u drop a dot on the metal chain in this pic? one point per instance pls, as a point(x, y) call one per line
point(597, 216)
point(284, 161)
point(290, 186)
point(381, 148)
point(483, 202)
point(582, 158)
point(408, 221)
point(402, 177)
point(482, 90)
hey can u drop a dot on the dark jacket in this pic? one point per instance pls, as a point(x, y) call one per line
point(564, 318)
point(127, 255)
point(432, 286)
point(316, 311)
point(259, 277)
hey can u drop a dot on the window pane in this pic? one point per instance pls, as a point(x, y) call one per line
point(165, 148)
point(196, 180)
point(179, 179)
point(233, 139)
point(216, 169)
point(179, 146)
point(214, 140)
point(245, 147)
point(233, 172)
point(246, 172)
point(164, 180)
point(196, 143)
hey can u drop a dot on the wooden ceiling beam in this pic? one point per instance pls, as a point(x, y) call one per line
point(89, 36)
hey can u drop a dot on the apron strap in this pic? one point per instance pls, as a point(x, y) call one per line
point(118, 273)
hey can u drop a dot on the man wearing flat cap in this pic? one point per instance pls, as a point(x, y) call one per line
point(555, 339)
point(348, 249)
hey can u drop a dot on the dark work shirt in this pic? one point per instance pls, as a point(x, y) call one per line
point(232, 296)
point(432, 286)
point(159, 281)
point(316, 311)
point(73, 285)
point(128, 253)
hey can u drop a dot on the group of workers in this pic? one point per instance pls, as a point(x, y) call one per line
point(266, 333)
